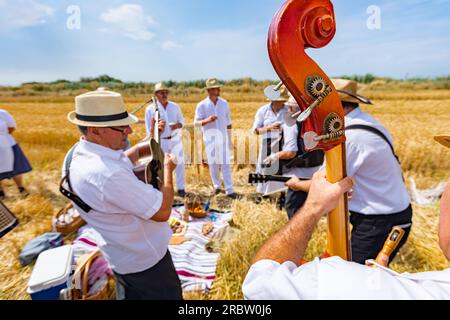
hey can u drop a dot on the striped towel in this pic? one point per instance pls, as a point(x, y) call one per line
point(196, 267)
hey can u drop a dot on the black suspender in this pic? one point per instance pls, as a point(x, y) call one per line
point(69, 193)
point(374, 131)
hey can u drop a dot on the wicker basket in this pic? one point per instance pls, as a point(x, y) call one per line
point(83, 269)
point(195, 206)
point(66, 228)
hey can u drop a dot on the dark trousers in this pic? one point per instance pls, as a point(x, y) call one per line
point(294, 201)
point(160, 282)
point(370, 232)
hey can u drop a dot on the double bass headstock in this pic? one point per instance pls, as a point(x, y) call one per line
point(298, 25)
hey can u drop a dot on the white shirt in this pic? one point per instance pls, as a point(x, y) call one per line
point(6, 152)
point(122, 207)
point(379, 187)
point(171, 114)
point(221, 110)
point(11, 123)
point(215, 134)
point(336, 279)
point(291, 135)
point(265, 117)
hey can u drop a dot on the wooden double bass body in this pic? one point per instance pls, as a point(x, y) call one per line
point(298, 25)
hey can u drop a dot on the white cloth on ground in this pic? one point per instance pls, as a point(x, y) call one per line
point(196, 267)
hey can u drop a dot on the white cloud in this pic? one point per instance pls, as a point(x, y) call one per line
point(129, 20)
point(23, 13)
point(171, 45)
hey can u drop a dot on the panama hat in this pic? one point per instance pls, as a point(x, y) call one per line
point(160, 87)
point(213, 84)
point(291, 102)
point(101, 109)
point(443, 139)
point(284, 95)
point(348, 91)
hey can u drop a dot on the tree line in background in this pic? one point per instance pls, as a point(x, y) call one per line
point(243, 85)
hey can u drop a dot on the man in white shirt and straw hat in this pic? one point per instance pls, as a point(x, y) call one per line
point(130, 216)
point(267, 124)
point(171, 136)
point(380, 200)
point(214, 116)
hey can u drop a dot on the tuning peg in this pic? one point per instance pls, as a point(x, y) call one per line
point(273, 92)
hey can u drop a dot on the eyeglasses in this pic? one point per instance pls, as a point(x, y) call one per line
point(123, 131)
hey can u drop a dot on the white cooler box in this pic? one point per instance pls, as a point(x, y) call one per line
point(51, 273)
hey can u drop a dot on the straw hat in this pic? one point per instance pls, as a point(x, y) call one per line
point(291, 102)
point(213, 84)
point(101, 109)
point(443, 139)
point(160, 87)
point(348, 91)
point(284, 95)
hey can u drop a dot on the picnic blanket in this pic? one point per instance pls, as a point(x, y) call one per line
point(196, 267)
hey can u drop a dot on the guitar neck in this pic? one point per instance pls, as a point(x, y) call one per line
point(259, 178)
point(157, 117)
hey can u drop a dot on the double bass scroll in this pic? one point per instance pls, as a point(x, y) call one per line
point(298, 25)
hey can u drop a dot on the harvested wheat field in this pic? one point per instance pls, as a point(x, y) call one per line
point(413, 117)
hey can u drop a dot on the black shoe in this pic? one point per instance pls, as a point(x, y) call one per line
point(2, 195)
point(181, 193)
point(216, 192)
point(233, 196)
point(23, 192)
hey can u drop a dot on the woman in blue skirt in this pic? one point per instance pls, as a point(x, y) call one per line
point(20, 162)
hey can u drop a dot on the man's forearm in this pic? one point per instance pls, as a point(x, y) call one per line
point(167, 202)
point(167, 188)
point(290, 243)
point(133, 154)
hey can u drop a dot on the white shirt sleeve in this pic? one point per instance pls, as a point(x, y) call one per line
point(290, 138)
point(355, 157)
point(269, 280)
point(132, 195)
point(199, 116)
point(228, 114)
point(180, 117)
point(259, 120)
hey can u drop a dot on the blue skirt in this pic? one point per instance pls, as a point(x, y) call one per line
point(21, 164)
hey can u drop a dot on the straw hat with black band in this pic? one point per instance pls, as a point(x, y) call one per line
point(348, 91)
point(101, 109)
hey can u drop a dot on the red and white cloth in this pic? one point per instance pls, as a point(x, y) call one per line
point(196, 267)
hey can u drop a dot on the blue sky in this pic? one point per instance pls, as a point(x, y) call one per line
point(196, 39)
